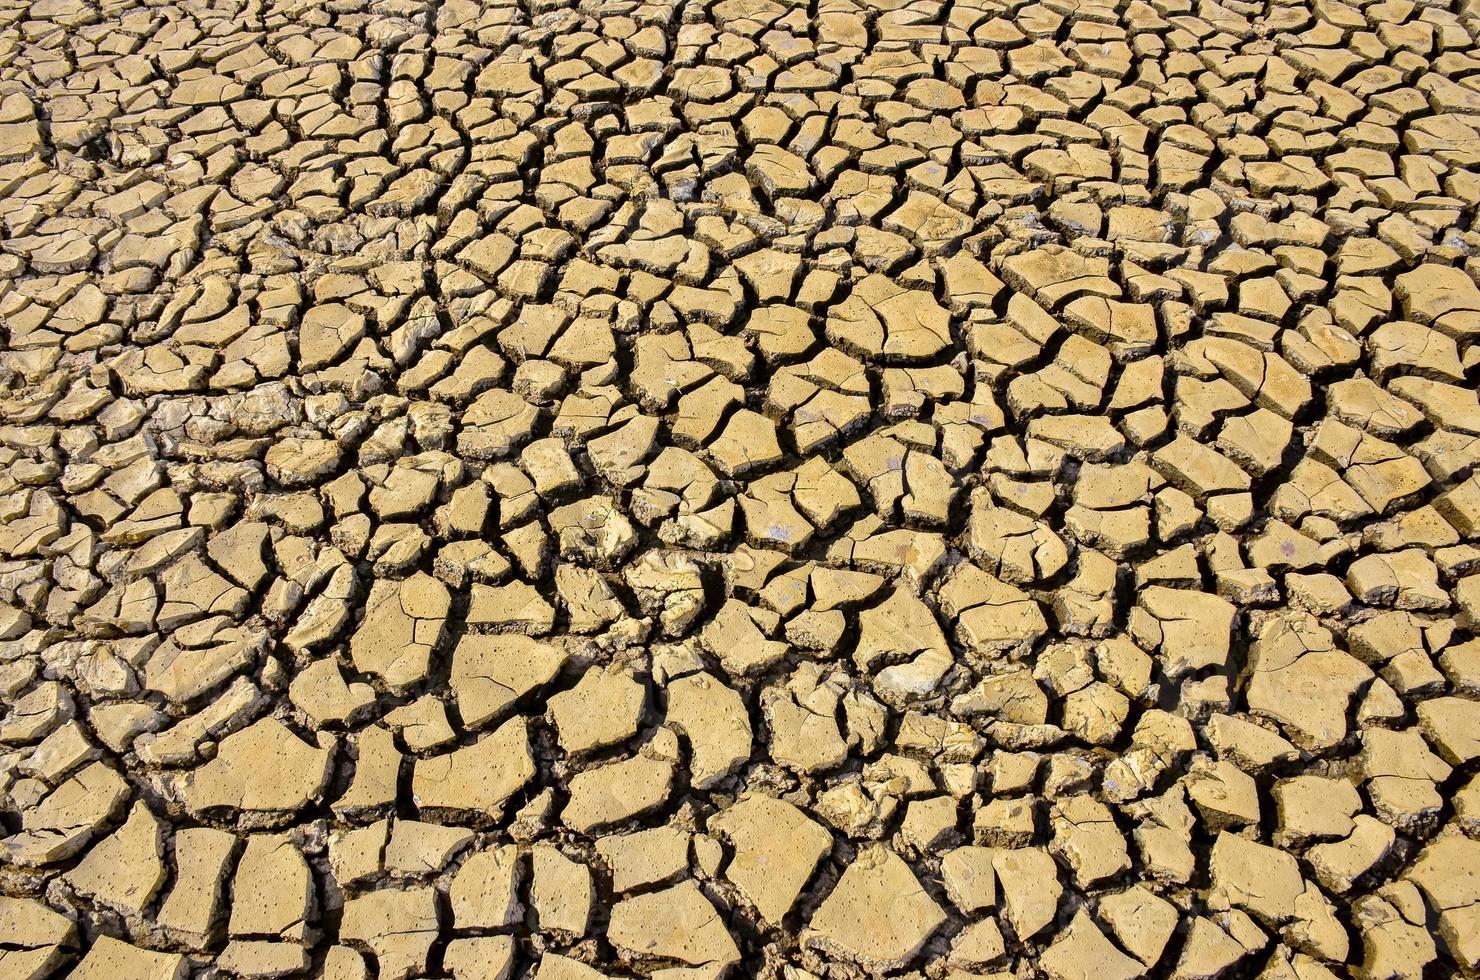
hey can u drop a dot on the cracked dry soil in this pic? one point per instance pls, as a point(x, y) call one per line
point(934, 489)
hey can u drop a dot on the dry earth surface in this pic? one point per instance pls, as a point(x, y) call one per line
point(726, 489)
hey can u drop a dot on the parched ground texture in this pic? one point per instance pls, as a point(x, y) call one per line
point(734, 489)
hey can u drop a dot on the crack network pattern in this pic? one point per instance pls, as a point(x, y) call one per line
point(917, 488)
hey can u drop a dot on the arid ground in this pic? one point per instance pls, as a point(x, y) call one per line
point(933, 489)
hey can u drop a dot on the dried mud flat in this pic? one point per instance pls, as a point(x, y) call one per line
point(864, 489)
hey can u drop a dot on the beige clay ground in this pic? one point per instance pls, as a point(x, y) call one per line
point(730, 489)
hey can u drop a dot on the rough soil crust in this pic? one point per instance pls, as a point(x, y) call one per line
point(874, 488)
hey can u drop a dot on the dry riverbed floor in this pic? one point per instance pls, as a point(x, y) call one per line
point(943, 489)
